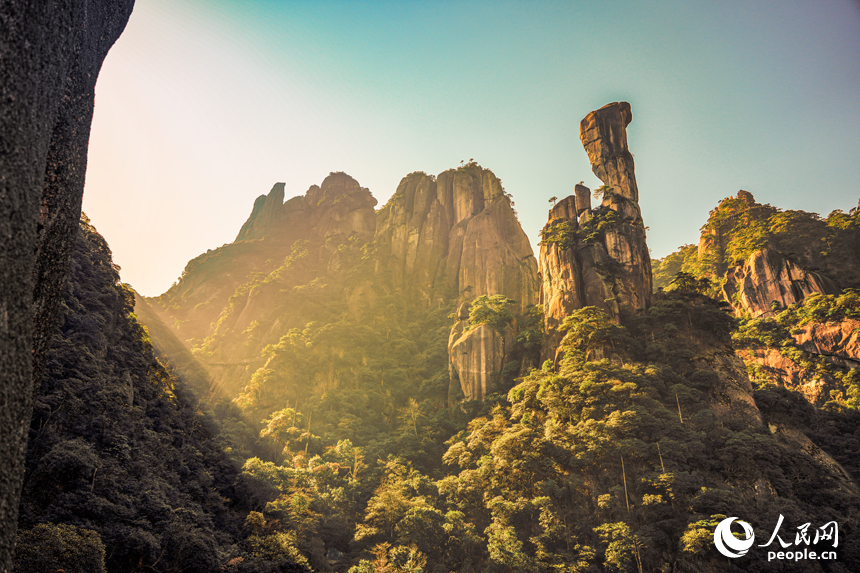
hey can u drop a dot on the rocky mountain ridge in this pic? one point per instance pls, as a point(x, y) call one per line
point(331, 323)
point(790, 277)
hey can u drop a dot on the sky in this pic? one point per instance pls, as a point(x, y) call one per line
point(201, 106)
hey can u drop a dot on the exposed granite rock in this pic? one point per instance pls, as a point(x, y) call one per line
point(457, 233)
point(604, 135)
point(51, 57)
point(583, 199)
point(767, 277)
point(839, 341)
point(477, 355)
point(783, 371)
point(597, 257)
point(340, 206)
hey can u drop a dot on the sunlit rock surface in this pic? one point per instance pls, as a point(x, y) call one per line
point(768, 277)
point(597, 257)
point(457, 235)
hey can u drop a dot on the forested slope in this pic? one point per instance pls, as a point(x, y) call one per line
point(122, 451)
point(373, 398)
point(792, 279)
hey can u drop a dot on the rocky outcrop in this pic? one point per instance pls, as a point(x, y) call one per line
point(477, 355)
point(597, 257)
point(51, 57)
point(457, 234)
point(838, 341)
point(783, 371)
point(768, 277)
point(604, 135)
point(340, 206)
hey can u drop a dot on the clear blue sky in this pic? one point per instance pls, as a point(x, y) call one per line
point(202, 106)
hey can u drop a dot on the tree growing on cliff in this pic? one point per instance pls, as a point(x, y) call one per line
point(492, 310)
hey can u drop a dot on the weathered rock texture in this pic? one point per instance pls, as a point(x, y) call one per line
point(457, 234)
point(783, 371)
point(768, 277)
point(604, 135)
point(50, 57)
point(476, 355)
point(837, 342)
point(597, 257)
point(340, 206)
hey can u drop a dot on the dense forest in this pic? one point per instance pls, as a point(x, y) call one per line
point(342, 453)
point(408, 389)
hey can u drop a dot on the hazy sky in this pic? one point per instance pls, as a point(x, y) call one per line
point(201, 106)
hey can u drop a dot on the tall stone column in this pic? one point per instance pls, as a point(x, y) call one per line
point(597, 257)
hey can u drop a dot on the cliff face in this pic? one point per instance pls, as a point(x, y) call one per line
point(457, 234)
point(597, 257)
point(768, 277)
point(438, 240)
point(51, 57)
point(476, 357)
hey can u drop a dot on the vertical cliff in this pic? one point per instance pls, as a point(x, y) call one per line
point(51, 57)
point(597, 257)
point(768, 281)
point(457, 235)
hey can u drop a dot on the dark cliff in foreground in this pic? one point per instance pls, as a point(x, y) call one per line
point(121, 453)
point(51, 57)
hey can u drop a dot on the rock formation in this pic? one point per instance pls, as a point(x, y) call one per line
point(332, 212)
point(768, 277)
point(451, 237)
point(457, 234)
point(838, 343)
point(51, 57)
point(340, 206)
point(597, 257)
point(477, 355)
